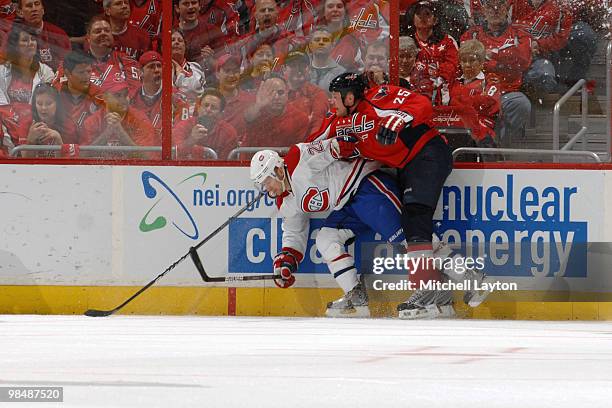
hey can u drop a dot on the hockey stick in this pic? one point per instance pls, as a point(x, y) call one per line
point(192, 250)
point(198, 263)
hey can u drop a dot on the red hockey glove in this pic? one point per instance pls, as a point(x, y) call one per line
point(389, 128)
point(285, 265)
point(344, 147)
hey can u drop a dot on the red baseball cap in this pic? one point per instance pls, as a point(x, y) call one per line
point(224, 59)
point(148, 57)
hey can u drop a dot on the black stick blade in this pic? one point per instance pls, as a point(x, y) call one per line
point(98, 313)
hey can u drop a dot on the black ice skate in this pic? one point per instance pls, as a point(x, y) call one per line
point(353, 304)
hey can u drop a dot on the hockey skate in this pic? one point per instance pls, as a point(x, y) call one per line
point(475, 297)
point(427, 304)
point(353, 304)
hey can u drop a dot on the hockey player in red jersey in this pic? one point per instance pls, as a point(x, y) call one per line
point(394, 127)
point(353, 196)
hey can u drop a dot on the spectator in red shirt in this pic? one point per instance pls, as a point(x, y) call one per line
point(271, 120)
point(50, 124)
point(77, 92)
point(147, 15)
point(148, 99)
point(269, 31)
point(236, 100)
point(197, 33)
point(437, 55)
point(8, 12)
point(53, 42)
point(118, 124)
point(261, 62)
point(206, 129)
point(303, 95)
point(220, 15)
point(128, 38)
point(508, 55)
point(347, 43)
point(323, 68)
point(109, 65)
point(476, 95)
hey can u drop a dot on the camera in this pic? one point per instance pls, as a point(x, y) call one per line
point(206, 121)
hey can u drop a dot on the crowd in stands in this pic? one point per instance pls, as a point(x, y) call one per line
point(253, 73)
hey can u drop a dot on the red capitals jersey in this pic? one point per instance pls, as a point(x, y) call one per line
point(510, 54)
point(378, 103)
point(8, 12)
point(13, 125)
point(369, 18)
point(226, 20)
point(440, 59)
point(135, 124)
point(299, 16)
point(222, 139)
point(132, 41)
point(152, 108)
point(347, 51)
point(548, 24)
point(80, 107)
point(313, 101)
point(115, 67)
point(147, 17)
point(197, 38)
point(482, 93)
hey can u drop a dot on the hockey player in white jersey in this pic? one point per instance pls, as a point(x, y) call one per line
point(353, 195)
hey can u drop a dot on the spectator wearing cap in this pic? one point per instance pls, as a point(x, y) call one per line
point(508, 56)
point(437, 58)
point(129, 39)
point(148, 99)
point(206, 128)
point(53, 42)
point(118, 123)
point(236, 100)
point(77, 92)
point(188, 76)
point(303, 95)
point(109, 65)
point(272, 120)
point(323, 68)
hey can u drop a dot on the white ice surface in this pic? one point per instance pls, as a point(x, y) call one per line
point(275, 362)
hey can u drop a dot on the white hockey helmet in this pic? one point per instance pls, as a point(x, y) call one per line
point(263, 164)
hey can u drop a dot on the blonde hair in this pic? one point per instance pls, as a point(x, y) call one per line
point(473, 47)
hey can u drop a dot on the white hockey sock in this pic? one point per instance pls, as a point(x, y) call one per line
point(343, 269)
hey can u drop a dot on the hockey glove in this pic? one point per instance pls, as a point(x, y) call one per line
point(389, 128)
point(344, 147)
point(285, 265)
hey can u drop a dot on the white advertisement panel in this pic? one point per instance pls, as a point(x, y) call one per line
point(103, 225)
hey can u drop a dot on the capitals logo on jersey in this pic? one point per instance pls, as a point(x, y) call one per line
point(315, 200)
point(350, 126)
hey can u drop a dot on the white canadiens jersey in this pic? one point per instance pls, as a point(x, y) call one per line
point(319, 185)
